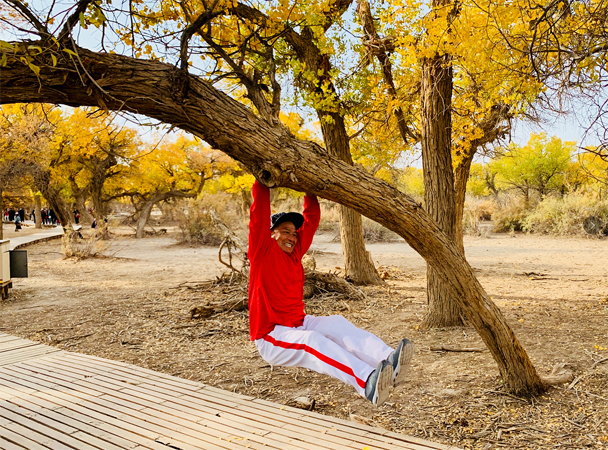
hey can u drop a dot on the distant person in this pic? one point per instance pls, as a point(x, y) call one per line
point(22, 214)
point(17, 222)
point(11, 215)
point(52, 217)
point(76, 216)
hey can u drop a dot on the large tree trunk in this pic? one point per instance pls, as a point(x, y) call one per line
point(436, 142)
point(163, 92)
point(42, 182)
point(144, 216)
point(37, 210)
point(358, 264)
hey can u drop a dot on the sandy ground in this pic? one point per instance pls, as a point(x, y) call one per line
point(553, 292)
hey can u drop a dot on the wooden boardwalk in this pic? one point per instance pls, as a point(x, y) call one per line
point(53, 399)
point(28, 239)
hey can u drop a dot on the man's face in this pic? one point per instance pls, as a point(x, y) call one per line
point(286, 236)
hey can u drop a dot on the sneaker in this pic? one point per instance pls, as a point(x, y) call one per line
point(400, 360)
point(378, 383)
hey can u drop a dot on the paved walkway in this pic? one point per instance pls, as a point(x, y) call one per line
point(49, 233)
point(54, 399)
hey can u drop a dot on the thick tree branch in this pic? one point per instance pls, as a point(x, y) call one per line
point(73, 19)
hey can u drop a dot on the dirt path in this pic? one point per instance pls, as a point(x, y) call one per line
point(554, 293)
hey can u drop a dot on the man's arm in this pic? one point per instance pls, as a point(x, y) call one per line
point(259, 218)
point(312, 217)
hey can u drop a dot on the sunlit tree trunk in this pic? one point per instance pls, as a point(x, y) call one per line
point(358, 264)
point(436, 138)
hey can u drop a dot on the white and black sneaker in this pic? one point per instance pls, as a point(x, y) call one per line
point(378, 383)
point(400, 361)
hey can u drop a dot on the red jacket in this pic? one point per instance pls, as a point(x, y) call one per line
point(276, 279)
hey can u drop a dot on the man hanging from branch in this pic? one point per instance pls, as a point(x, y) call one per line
point(283, 334)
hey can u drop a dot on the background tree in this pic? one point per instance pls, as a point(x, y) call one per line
point(540, 166)
point(173, 170)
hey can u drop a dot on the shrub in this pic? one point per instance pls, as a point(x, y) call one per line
point(196, 224)
point(374, 232)
point(510, 213)
point(476, 210)
point(566, 216)
point(75, 245)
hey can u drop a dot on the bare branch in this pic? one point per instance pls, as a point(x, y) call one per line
point(43, 31)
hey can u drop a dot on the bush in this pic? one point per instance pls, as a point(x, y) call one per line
point(510, 213)
point(196, 225)
point(476, 210)
point(374, 232)
point(74, 245)
point(566, 216)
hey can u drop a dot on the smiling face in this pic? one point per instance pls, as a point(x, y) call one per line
point(286, 236)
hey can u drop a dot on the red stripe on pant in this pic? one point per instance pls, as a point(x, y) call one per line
point(321, 356)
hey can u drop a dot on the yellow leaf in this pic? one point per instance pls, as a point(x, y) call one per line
point(34, 68)
point(69, 52)
point(54, 58)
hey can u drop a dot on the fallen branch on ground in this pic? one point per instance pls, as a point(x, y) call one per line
point(449, 348)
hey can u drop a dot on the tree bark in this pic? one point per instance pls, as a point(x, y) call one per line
point(358, 264)
point(37, 210)
point(436, 143)
point(276, 158)
point(144, 215)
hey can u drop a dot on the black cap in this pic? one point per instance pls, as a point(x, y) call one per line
point(296, 218)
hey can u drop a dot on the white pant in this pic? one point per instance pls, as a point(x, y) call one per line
point(330, 345)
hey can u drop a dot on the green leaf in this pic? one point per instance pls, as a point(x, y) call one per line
point(82, 22)
point(3, 60)
point(4, 44)
point(54, 58)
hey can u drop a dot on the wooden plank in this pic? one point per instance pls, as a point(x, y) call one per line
point(26, 443)
point(16, 354)
point(84, 429)
point(44, 400)
point(115, 419)
point(118, 388)
point(8, 338)
point(336, 427)
point(35, 436)
point(166, 399)
point(32, 423)
point(6, 445)
point(141, 397)
point(130, 418)
point(294, 427)
point(214, 424)
point(12, 345)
